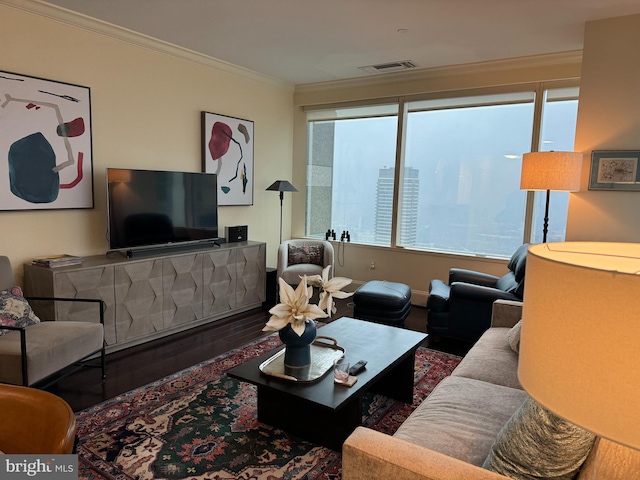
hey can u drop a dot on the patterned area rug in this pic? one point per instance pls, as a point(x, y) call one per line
point(200, 424)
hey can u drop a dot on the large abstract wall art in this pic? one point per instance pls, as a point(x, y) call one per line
point(227, 151)
point(46, 159)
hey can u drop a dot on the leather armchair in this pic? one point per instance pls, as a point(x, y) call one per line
point(461, 308)
point(35, 422)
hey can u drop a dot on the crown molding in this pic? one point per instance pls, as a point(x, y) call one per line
point(74, 19)
point(427, 74)
point(68, 17)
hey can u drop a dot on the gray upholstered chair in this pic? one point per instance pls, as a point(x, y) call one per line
point(34, 354)
point(303, 257)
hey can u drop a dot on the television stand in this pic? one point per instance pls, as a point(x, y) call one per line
point(152, 297)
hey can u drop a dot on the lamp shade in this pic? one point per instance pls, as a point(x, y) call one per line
point(551, 171)
point(580, 338)
point(282, 186)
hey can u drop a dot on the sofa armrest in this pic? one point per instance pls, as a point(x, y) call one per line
point(611, 461)
point(471, 276)
point(368, 454)
point(506, 313)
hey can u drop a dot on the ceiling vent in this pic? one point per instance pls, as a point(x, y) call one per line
point(390, 67)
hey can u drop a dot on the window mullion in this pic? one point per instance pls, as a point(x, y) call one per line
point(396, 214)
point(535, 142)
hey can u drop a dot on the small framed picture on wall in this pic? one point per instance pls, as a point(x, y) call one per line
point(614, 170)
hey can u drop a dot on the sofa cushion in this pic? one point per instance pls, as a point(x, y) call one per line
point(15, 311)
point(313, 254)
point(537, 444)
point(514, 337)
point(491, 360)
point(461, 418)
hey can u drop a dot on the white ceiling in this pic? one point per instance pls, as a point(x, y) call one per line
point(305, 41)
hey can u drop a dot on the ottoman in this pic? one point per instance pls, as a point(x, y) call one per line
point(385, 302)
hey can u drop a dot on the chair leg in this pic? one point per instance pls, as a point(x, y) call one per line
point(103, 363)
point(23, 357)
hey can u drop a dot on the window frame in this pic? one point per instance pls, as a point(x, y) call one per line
point(537, 88)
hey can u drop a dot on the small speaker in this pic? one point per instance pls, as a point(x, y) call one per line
point(236, 234)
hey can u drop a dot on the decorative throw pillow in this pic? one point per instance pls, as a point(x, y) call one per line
point(15, 311)
point(514, 337)
point(536, 444)
point(306, 254)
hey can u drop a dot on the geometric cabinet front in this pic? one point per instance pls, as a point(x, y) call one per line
point(151, 297)
point(138, 290)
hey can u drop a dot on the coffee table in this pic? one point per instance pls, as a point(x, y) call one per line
point(324, 412)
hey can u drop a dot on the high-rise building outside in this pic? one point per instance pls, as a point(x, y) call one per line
point(409, 204)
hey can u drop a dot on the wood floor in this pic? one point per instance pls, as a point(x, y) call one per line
point(142, 364)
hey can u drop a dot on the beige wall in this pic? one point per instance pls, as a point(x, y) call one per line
point(608, 119)
point(146, 106)
point(414, 268)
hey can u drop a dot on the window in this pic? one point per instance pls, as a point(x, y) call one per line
point(455, 187)
point(468, 154)
point(348, 150)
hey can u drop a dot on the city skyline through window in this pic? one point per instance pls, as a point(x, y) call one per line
point(459, 188)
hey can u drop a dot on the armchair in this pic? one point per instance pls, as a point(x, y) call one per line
point(35, 422)
point(462, 307)
point(32, 354)
point(303, 257)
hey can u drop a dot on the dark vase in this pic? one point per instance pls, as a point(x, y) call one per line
point(297, 351)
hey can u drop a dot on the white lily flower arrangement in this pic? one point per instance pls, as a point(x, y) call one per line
point(294, 307)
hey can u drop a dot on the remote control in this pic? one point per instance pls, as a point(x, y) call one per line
point(357, 367)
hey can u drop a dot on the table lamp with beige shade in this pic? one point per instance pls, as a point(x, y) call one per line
point(580, 342)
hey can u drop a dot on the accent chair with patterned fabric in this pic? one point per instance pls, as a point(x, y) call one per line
point(303, 257)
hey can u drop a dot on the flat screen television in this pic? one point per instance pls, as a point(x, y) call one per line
point(160, 208)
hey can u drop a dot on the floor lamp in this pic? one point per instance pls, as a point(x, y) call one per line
point(281, 186)
point(551, 171)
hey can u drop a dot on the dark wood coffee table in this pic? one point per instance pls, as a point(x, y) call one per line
point(322, 411)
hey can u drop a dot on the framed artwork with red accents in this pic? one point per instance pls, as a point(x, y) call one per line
point(46, 152)
point(227, 151)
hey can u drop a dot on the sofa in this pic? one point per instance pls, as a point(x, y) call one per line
point(450, 435)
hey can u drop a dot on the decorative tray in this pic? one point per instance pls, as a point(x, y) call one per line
point(323, 354)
